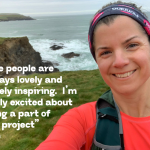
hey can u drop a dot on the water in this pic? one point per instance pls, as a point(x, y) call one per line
point(69, 31)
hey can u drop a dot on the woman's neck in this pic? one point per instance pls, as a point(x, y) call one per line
point(135, 104)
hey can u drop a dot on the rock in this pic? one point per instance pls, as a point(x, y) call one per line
point(19, 52)
point(47, 63)
point(56, 70)
point(56, 47)
point(55, 63)
point(70, 55)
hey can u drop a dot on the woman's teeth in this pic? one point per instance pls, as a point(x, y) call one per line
point(124, 75)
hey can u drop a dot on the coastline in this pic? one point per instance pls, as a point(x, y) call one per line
point(13, 17)
point(19, 53)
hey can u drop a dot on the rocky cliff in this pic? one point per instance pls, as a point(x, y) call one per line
point(19, 52)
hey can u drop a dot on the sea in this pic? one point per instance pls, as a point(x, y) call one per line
point(45, 31)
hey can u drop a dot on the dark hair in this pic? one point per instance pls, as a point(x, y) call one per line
point(125, 3)
point(110, 19)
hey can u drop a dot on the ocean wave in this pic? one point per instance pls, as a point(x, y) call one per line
point(84, 62)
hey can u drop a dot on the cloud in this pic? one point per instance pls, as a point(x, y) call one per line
point(48, 6)
point(44, 7)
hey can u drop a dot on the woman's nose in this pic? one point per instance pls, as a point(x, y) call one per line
point(120, 59)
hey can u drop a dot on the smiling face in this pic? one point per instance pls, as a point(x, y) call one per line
point(122, 52)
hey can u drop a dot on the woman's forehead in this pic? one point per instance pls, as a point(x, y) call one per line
point(119, 31)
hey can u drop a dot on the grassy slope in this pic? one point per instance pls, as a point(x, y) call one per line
point(89, 85)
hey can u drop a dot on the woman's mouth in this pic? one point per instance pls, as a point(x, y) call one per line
point(124, 75)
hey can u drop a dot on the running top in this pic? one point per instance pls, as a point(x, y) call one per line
point(136, 132)
point(75, 131)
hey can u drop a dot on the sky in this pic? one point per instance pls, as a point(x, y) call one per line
point(59, 7)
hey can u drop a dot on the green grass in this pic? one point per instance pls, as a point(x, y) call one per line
point(3, 39)
point(89, 86)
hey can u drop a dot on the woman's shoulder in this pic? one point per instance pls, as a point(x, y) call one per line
point(84, 109)
point(74, 129)
point(88, 105)
point(88, 110)
point(85, 114)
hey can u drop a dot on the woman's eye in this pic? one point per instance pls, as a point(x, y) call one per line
point(105, 53)
point(132, 45)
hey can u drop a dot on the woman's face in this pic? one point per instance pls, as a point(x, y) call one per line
point(122, 52)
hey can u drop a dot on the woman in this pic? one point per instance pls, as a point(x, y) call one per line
point(119, 42)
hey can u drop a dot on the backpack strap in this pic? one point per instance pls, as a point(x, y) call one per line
point(107, 128)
